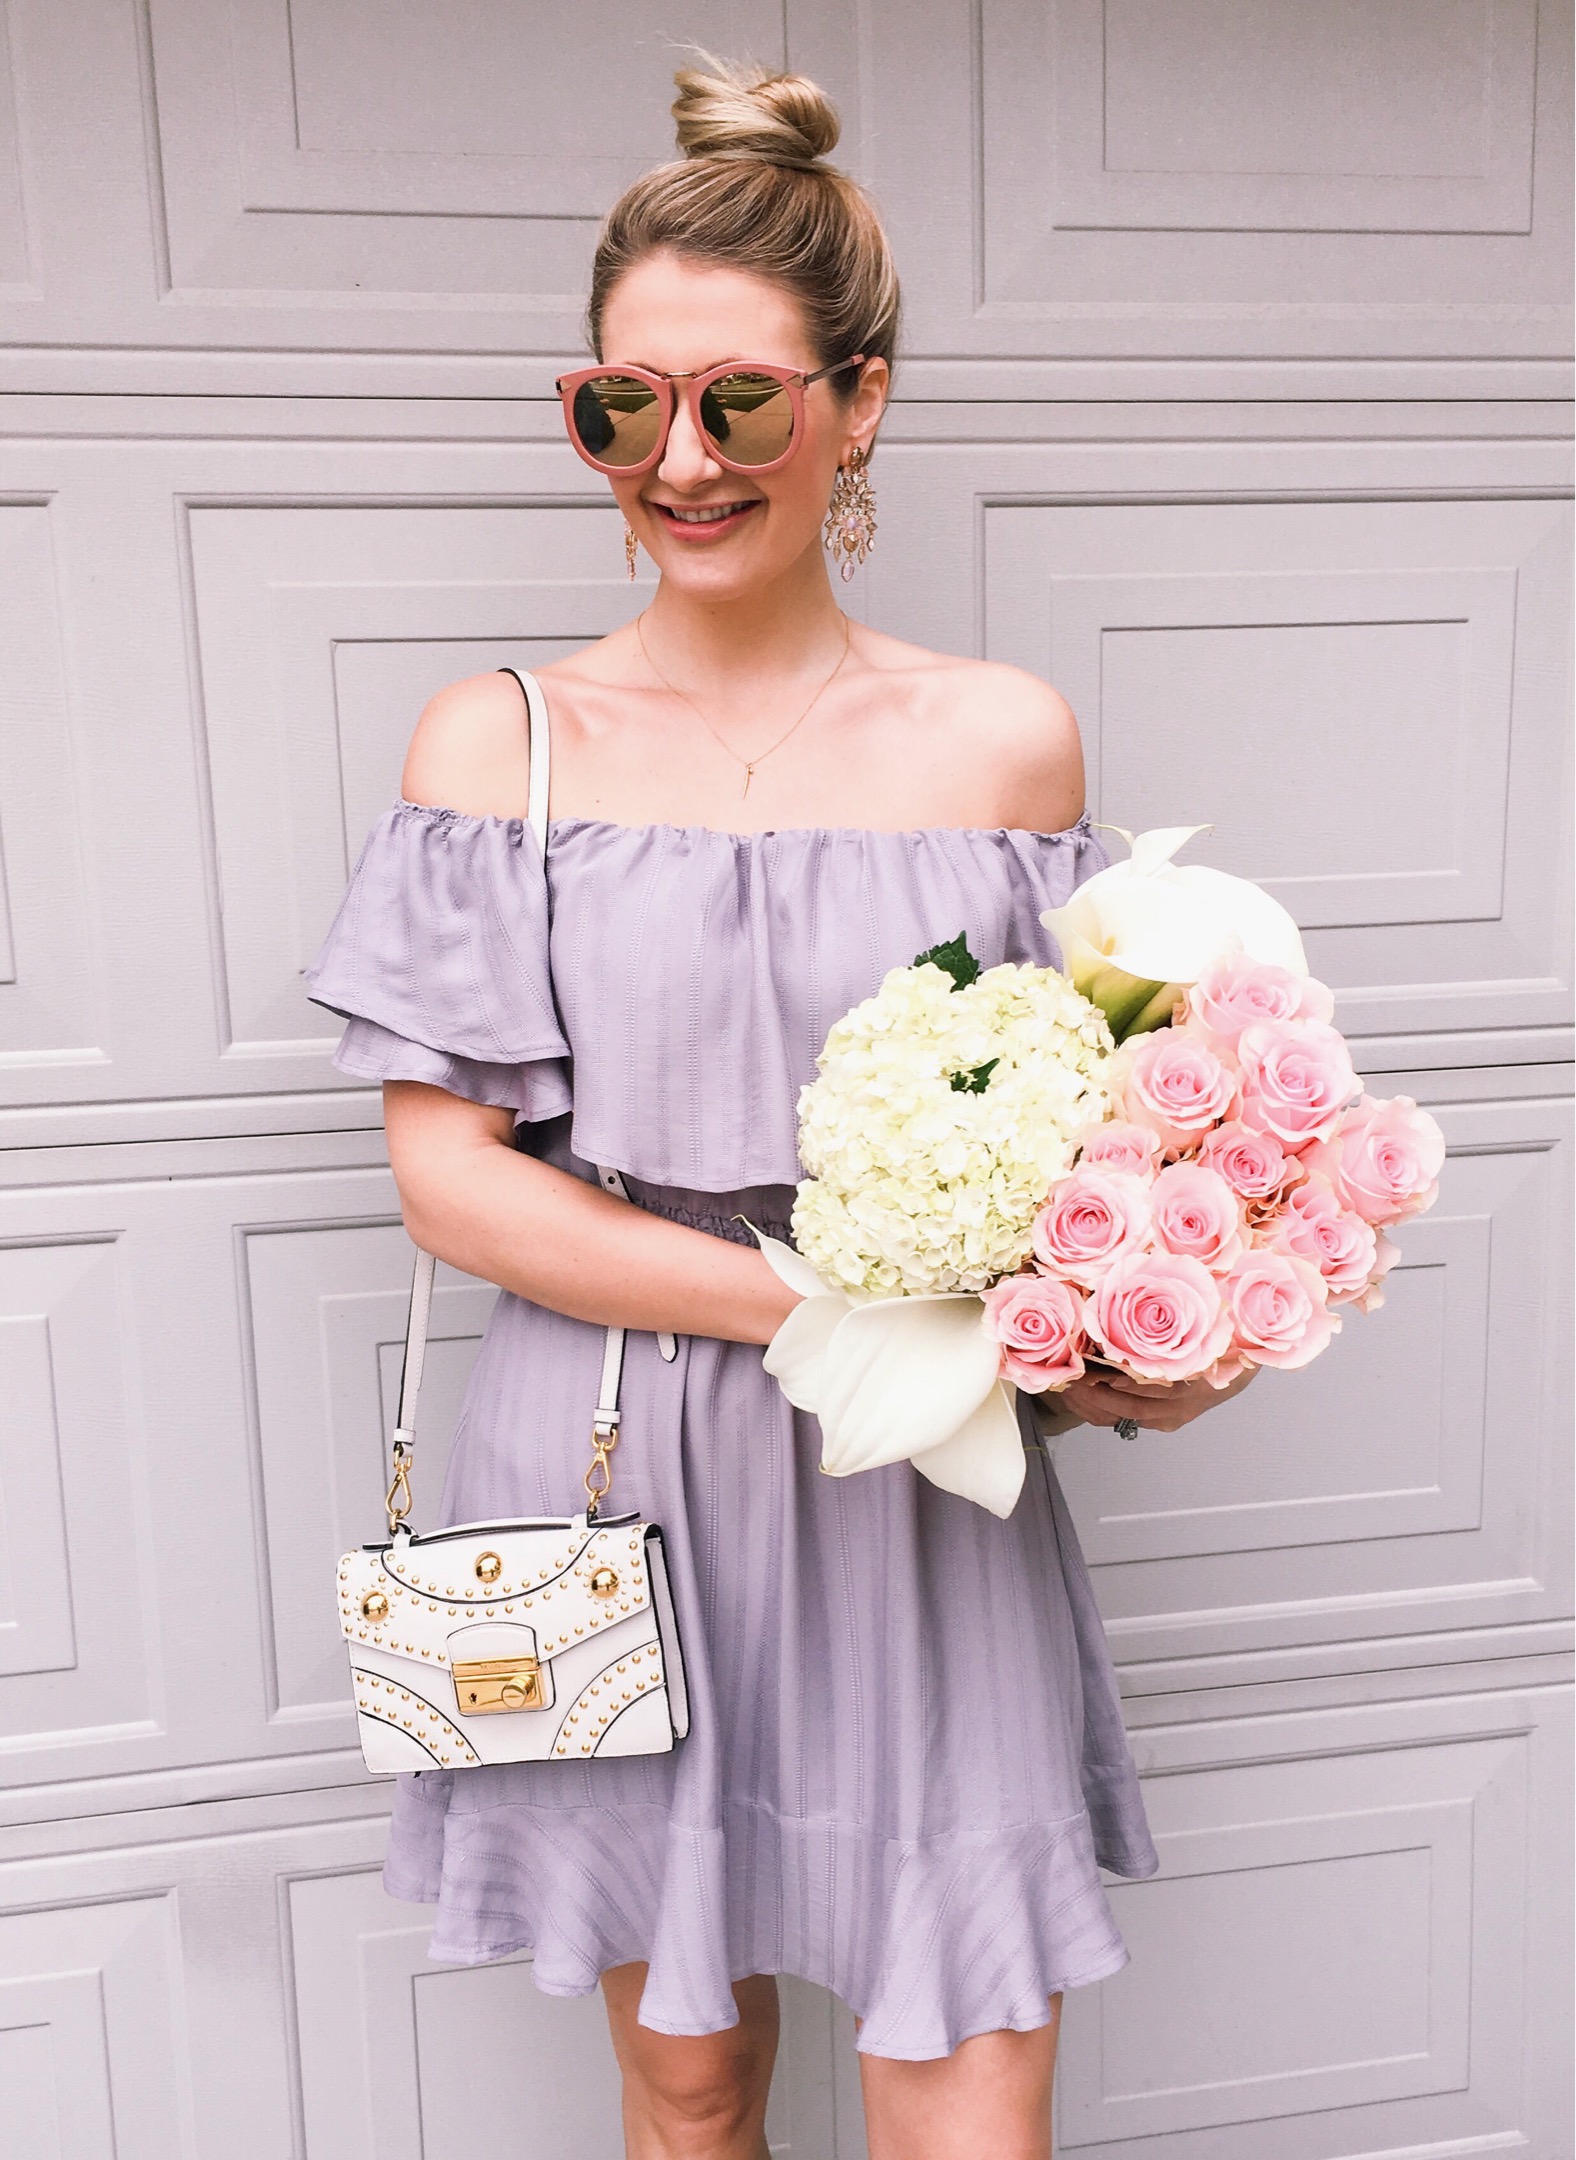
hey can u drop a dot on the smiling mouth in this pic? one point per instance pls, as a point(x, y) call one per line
point(708, 517)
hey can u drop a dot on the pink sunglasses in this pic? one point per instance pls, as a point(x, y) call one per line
point(750, 412)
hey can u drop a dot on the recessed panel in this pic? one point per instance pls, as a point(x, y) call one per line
point(1326, 1932)
point(36, 1630)
point(47, 1009)
point(1227, 682)
point(1360, 1922)
point(405, 158)
point(88, 2032)
point(1238, 86)
point(71, 1618)
point(15, 282)
point(1143, 182)
point(489, 81)
point(1290, 115)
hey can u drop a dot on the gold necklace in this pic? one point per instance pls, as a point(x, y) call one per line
point(761, 756)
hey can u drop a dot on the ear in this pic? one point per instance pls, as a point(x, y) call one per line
point(865, 408)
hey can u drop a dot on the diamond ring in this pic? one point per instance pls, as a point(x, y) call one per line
point(1127, 1428)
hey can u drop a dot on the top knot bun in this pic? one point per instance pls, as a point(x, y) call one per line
point(750, 191)
point(750, 113)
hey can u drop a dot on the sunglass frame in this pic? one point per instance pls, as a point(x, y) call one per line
point(794, 380)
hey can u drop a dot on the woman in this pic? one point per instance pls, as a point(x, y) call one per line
point(906, 1761)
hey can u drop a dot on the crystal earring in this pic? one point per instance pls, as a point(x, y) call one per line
point(630, 545)
point(851, 515)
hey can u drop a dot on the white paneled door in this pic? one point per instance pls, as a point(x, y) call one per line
point(1234, 402)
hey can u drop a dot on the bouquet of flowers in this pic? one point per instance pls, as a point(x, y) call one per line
point(1159, 1161)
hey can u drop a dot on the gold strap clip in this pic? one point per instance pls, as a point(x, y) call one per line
point(599, 1477)
point(398, 1499)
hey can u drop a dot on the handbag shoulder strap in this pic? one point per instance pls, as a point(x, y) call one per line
point(541, 746)
point(604, 1424)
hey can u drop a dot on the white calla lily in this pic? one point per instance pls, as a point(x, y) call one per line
point(898, 1379)
point(792, 1267)
point(796, 1355)
point(902, 1375)
point(984, 1460)
point(1139, 933)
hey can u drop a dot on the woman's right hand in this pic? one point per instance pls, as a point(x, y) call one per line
point(1101, 1397)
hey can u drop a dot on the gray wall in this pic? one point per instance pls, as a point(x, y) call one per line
point(1235, 406)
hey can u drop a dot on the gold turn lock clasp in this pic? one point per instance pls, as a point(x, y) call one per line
point(485, 1685)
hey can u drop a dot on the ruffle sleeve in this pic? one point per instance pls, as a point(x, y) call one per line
point(438, 962)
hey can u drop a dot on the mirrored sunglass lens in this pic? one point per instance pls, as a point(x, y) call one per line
point(617, 418)
point(749, 417)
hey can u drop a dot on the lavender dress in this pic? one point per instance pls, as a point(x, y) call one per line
point(906, 1762)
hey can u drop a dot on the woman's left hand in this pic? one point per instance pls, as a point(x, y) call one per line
point(1100, 1398)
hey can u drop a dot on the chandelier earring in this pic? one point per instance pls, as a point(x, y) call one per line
point(851, 514)
point(630, 545)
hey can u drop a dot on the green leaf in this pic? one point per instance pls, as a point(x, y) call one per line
point(954, 959)
point(977, 1081)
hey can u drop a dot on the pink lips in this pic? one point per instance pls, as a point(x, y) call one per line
point(711, 529)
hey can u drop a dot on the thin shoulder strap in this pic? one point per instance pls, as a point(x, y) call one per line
point(541, 753)
point(606, 1419)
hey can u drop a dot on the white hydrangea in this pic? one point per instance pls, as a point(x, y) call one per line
point(918, 1186)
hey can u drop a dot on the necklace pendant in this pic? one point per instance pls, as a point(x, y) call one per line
point(749, 775)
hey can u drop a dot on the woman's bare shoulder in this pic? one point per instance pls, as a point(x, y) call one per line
point(1016, 735)
point(471, 750)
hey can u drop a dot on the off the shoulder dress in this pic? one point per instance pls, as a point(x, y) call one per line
point(906, 1761)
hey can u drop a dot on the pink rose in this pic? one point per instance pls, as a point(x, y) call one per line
point(1297, 1078)
point(1038, 1321)
point(1118, 1145)
point(1253, 1164)
point(1197, 1212)
point(1278, 1308)
point(1334, 1239)
point(1173, 1081)
point(1159, 1315)
point(1385, 1159)
point(1237, 991)
point(1371, 1296)
point(1090, 1218)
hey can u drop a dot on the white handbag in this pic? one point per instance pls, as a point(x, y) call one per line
point(542, 1639)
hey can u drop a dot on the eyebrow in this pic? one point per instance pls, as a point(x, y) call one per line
point(731, 360)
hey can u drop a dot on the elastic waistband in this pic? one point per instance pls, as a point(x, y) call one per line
point(716, 1222)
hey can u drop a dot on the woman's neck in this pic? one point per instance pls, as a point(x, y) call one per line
point(780, 631)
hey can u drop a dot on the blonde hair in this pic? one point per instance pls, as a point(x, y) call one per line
point(751, 190)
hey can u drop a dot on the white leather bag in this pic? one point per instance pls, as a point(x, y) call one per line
point(542, 1639)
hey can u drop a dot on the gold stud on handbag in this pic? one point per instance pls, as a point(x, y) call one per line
point(537, 1639)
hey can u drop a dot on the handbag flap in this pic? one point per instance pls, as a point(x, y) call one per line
point(567, 1583)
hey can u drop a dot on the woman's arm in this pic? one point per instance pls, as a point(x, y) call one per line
point(468, 1195)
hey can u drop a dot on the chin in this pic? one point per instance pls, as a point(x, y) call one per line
point(726, 575)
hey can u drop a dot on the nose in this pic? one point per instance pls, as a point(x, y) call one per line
point(686, 460)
